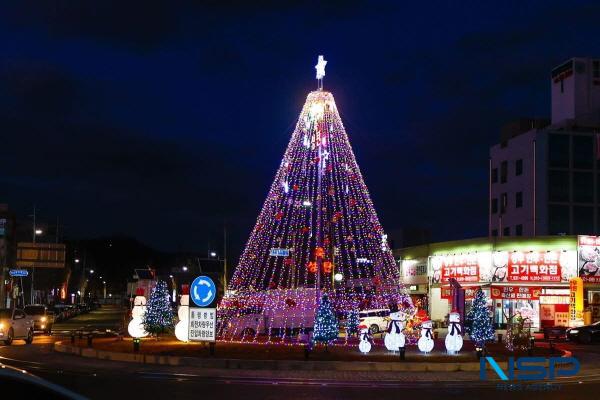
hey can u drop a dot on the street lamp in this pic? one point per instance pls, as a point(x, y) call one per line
point(91, 271)
point(213, 254)
point(77, 261)
point(184, 268)
point(38, 232)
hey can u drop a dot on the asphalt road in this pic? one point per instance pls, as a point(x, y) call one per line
point(98, 379)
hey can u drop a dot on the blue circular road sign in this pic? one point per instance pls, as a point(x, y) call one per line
point(203, 291)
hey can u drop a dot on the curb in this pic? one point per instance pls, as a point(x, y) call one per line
point(280, 365)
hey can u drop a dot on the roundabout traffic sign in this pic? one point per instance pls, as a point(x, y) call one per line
point(203, 291)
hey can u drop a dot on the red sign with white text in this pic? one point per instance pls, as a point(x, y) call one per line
point(515, 292)
point(534, 266)
point(463, 268)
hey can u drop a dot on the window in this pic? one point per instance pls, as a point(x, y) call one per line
point(519, 230)
point(495, 175)
point(558, 151)
point(506, 231)
point(495, 232)
point(503, 203)
point(519, 200)
point(519, 167)
point(583, 187)
point(494, 206)
point(558, 219)
point(583, 152)
point(583, 220)
point(558, 186)
point(503, 171)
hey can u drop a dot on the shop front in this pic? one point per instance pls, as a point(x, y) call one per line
point(588, 265)
point(530, 283)
point(414, 278)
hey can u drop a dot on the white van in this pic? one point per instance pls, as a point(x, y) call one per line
point(286, 311)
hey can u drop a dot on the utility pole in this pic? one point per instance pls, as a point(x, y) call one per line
point(224, 257)
point(33, 266)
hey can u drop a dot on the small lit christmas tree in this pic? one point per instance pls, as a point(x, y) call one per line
point(478, 322)
point(326, 323)
point(352, 323)
point(159, 315)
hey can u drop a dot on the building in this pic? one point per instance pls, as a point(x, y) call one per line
point(530, 276)
point(7, 252)
point(544, 176)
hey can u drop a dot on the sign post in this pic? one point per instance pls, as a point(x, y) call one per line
point(203, 318)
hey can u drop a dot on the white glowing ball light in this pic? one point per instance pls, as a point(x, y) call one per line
point(181, 329)
point(136, 325)
point(365, 345)
point(394, 338)
point(454, 340)
point(425, 342)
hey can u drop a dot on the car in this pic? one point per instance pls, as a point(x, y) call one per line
point(15, 324)
point(43, 319)
point(13, 380)
point(376, 320)
point(585, 334)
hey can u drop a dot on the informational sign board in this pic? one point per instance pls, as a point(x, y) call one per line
point(576, 302)
point(18, 273)
point(588, 258)
point(203, 291)
point(534, 266)
point(277, 252)
point(203, 324)
point(463, 268)
point(515, 293)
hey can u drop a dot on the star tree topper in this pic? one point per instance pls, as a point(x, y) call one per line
point(320, 67)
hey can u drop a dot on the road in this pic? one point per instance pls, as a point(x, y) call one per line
point(99, 379)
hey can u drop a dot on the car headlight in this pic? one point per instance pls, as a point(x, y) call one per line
point(574, 331)
point(44, 319)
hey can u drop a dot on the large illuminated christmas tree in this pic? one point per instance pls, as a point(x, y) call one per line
point(317, 232)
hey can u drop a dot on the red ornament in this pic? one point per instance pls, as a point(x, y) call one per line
point(376, 281)
point(305, 229)
point(279, 215)
point(296, 187)
point(287, 262)
point(290, 302)
point(352, 202)
point(272, 285)
point(326, 241)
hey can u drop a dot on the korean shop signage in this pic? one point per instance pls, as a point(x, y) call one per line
point(534, 266)
point(515, 293)
point(588, 258)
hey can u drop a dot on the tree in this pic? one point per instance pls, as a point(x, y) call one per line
point(352, 322)
point(478, 322)
point(326, 323)
point(159, 315)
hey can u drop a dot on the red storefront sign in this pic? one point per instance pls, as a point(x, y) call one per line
point(534, 266)
point(515, 293)
point(463, 268)
point(469, 292)
point(588, 258)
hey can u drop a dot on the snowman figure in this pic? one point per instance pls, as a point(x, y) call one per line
point(394, 338)
point(136, 325)
point(181, 329)
point(425, 342)
point(454, 340)
point(365, 342)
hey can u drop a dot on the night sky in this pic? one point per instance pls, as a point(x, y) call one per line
point(160, 122)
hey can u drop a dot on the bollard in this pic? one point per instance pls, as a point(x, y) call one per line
point(499, 338)
point(211, 348)
point(89, 340)
point(72, 337)
point(479, 351)
point(531, 346)
point(136, 345)
point(402, 349)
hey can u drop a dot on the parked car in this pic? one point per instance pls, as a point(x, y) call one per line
point(43, 319)
point(15, 324)
point(376, 320)
point(585, 334)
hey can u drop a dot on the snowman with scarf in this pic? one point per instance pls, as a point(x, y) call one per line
point(454, 340)
point(394, 338)
point(365, 339)
point(181, 329)
point(425, 342)
point(136, 325)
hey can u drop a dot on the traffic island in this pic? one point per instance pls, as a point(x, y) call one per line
point(265, 356)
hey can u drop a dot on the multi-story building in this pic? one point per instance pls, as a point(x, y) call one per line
point(545, 175)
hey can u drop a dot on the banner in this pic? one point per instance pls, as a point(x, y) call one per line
point(576, 302)
point(588, 260)
point(534, 266)
point(463, 268)
point(515, 293)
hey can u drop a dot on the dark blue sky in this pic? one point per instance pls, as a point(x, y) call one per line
point(158, 121)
